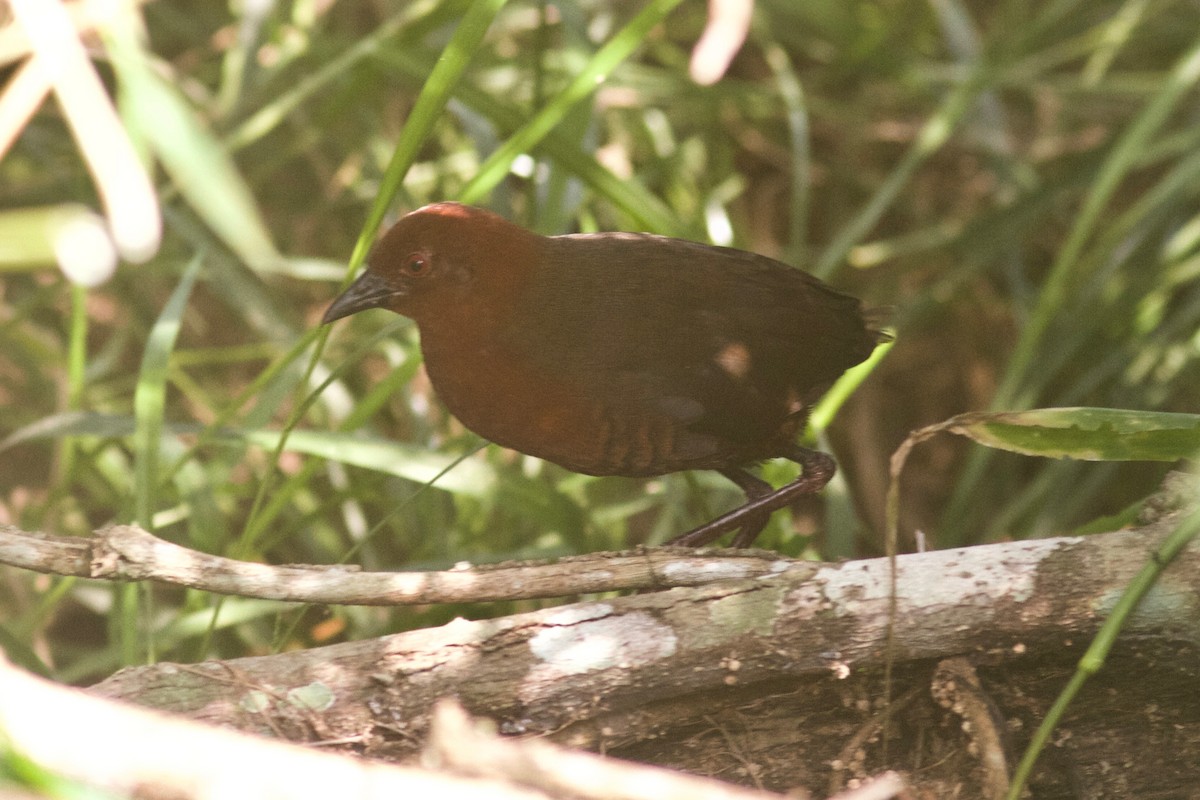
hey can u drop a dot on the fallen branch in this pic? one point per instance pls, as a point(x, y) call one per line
point(128, 553)
point(134, 752)
point(120, 748)
point(585, 671)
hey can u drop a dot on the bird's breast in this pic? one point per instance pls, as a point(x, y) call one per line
point(604, 429)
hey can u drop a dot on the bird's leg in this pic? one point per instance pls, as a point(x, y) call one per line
point(755, 489)
point(762, 500)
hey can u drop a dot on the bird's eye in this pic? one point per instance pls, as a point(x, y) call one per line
point(416, 265)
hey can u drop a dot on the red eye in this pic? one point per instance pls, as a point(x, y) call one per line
point(416, 265)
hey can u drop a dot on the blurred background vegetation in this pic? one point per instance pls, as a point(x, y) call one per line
point(1016, 183)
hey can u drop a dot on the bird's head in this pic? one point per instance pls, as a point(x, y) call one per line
point(439, 259)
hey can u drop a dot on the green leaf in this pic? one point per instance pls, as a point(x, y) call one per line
point(845, 386)
point(70, 423)
point(412, 463)
point(1086, 434)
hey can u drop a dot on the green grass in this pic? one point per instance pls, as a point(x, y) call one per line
point(1015, 183)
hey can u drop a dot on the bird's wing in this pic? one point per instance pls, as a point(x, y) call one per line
point(727, 343)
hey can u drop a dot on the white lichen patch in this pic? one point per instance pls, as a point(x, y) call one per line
point(704, 571)
point(946, 576)
point(583, 645)
point(594, 576)
point(453, 646)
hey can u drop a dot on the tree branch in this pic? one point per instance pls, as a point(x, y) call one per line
point(127, 552)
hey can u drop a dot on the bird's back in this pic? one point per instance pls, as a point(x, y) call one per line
point(700, 357)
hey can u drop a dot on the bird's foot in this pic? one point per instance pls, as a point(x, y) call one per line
point(762, 501)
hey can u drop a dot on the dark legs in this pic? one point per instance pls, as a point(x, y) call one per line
point(755, 489)
point(761, 500)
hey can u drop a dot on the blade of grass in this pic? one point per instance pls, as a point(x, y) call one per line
point(1116, 34)
point(1163, 200)
point(492, 171)
point(1122, 157)
point(76, 379)
point(433, 98)
point(272, 114)
point(791, 92)
point(149, 409)
point(358, 416)
point(1085, 434)
point(149, 399)
point(934, 133)
point(630, 196)
point(845, 386)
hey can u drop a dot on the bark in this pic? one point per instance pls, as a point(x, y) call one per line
point(776, 681)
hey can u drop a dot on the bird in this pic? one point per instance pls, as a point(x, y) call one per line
point(620, 353)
